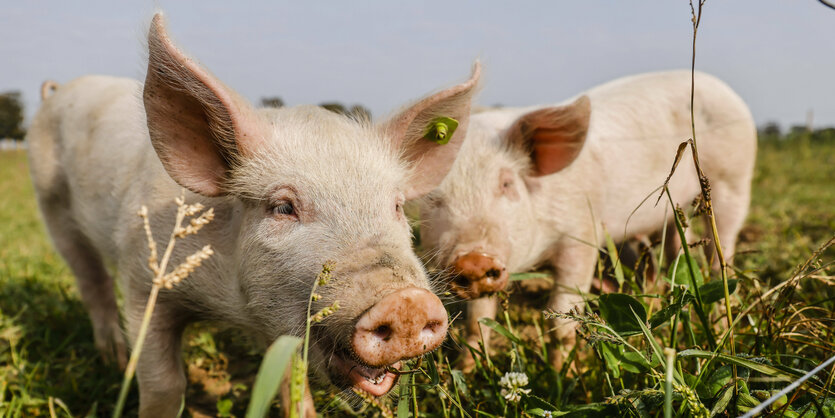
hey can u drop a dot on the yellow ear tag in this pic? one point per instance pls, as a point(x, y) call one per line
point(440, 130)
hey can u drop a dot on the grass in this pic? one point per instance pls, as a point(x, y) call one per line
point(48, 364)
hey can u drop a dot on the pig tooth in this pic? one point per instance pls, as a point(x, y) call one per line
point(375, 377)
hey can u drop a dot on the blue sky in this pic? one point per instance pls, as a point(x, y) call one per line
point(778, 55)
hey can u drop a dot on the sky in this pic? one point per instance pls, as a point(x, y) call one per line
point(779, 55)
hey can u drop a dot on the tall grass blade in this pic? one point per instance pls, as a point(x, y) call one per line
point(500, 329)
point(405, 393)
point(612, 250)
point(270, 373)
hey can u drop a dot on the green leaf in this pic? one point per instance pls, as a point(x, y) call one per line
point(610, 358)
point(432, 370)
point(664, 315)
point(718, 380)
point(616, 309)
point(224, 407)
point(500, 329)
point(679, 272)
point(270, 374)
point(656, 348)
point(460, 383)
point(518, 277)
point(715, 290)
point(440, 130)
point(630, 361)
point(539, 406)
point(722, 403)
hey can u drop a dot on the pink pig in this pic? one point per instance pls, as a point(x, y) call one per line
point(538, 185)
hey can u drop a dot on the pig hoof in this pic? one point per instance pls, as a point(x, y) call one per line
point(111, 344)
point(466, 362)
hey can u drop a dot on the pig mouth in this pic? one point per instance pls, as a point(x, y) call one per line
point(376, 381)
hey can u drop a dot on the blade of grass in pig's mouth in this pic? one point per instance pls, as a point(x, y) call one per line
point(377, 381)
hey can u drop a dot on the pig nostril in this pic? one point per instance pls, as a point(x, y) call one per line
point(382, 332)
point(493, 273)
point(431, 326)
point(462, 280)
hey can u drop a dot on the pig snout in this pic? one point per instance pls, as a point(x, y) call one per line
point(402, 325)
point(477, 274)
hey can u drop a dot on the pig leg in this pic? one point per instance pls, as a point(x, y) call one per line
point(484, 307)
point(159, 373)
point(574, 265)
point(730, 207)
point(94, 283)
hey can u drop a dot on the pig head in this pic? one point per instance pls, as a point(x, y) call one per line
point(485, 229)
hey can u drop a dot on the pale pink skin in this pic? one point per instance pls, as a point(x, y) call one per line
point(492, 202)
point(96, 147)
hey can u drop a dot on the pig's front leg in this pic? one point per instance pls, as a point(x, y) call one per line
point(484, 307)
point(159, 372)
point(574, 264)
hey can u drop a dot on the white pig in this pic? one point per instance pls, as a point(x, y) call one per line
point(292, 189)
point(537, 185)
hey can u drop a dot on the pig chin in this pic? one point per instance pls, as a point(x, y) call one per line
point(345, 370)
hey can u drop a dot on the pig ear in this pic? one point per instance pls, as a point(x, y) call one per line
point(199, 127)
point(554, 136)
point(430, 133)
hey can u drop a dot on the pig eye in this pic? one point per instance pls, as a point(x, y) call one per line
point(398, 206)
point(284, 208)
point(507, 184)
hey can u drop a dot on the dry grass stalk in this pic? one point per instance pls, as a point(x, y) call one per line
point(165, 280)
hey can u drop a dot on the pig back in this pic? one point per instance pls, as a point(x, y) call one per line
point(91, 152)
point(636, 126)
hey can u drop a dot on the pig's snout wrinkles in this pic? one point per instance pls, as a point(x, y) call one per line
point(402, 325)
point(477, 274)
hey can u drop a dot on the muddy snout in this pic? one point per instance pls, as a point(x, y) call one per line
point(402, 325)
point(477, 274)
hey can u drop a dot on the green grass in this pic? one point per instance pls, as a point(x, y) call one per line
point(47, 355)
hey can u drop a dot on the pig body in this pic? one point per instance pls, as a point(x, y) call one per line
point(539, 185)
point(292, 189)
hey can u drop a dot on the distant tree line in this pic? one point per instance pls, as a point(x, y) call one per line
point(771, 131)
point(358, 112)
point(11, 116)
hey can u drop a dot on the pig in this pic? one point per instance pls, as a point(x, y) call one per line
point(292, 189)
point(538, 185)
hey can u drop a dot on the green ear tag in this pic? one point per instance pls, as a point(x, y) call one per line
point(440, 130)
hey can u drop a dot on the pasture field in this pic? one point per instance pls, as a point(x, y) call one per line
point(49, 366)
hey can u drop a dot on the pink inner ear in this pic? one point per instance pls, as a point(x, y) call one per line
point(197, 125)
point(553, 152)
point(554, 136)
